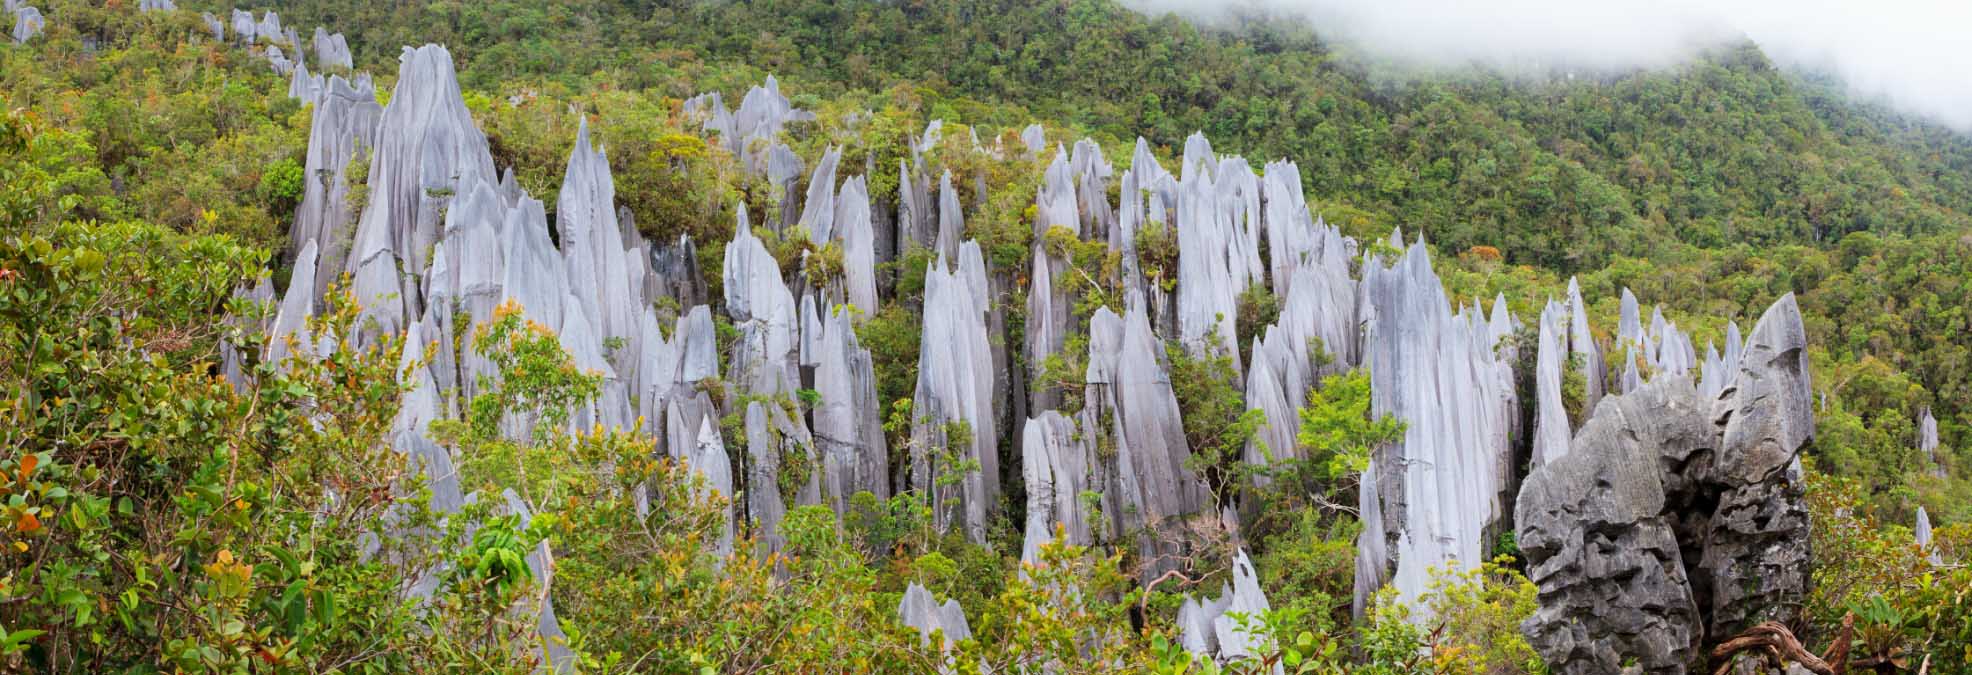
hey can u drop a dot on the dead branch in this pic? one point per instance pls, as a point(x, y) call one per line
point(1776, 638)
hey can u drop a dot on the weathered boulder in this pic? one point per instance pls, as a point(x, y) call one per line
point(1594, 528)
point(1755, 562)
point(1670, 491)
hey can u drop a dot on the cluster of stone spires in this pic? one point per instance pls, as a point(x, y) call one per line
point(443, 240)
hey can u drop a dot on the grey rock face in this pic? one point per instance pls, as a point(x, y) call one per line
point(779, 453)
point(1058, 465)
point(331, 50)
point(818, 210)
point(1092, 175)
point(848, 420)
point(1670, 474)
point(342, 128)
point(27, 23)
point(1927, 441)
point(1581, 343)
point(1434, 495)
point(1275, 441)
point(156, 6)
point(1129, 405)
point(1551, 426)
point(955, 425)
point(1218, 216)
point(707, 457)
point(857, 236)
point(232, 353)
point(921, 611)
point(1756, 553)
point(1922, 532)
point(289, 334)
point(766, 359)
point(951, 219)
point(212, 23)
point(1213, 628)
point(427, 149)
point(555, 653)
point(1601, 546)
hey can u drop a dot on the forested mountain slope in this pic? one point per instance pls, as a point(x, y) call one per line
point(586, 345)
point(1723, 182)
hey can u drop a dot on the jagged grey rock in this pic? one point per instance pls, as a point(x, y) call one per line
point(233, 352)
point(1582, 343)
point(1552, 428)
point(331, 50)
point(212, 23)
point(951, 220)
point(1130, 406)
point(290, 329)
point(342, 129)
point(818, 210)
point(776, 446)
point(1600, 545)
point(1755, 562)
point(156, 6)
point(1927, 441)
point(1718, 475)
point(921, 611)
point(1058, 465)
point(1035, 139)
point(28, 23)
point(1922, 535)
point(705, 454)
point(555, 653)
point(848, 419)
point(1092, 174)
point(1229, 627)
point(955, 419)
point(426, 150)
point(1435, 494)
point(857, 236)
point(1275, 441)
point(766, 358)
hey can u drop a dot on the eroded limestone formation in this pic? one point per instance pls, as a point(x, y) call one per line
point(1675, 514)
point(1429, 500)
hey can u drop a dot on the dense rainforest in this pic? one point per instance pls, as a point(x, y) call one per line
point(158, 518)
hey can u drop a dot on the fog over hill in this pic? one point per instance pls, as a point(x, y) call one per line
point(1907, 53)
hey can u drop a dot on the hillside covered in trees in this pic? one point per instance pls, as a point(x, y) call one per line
point(281, 391)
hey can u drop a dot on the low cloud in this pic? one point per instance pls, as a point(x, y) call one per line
point(1915, 55)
